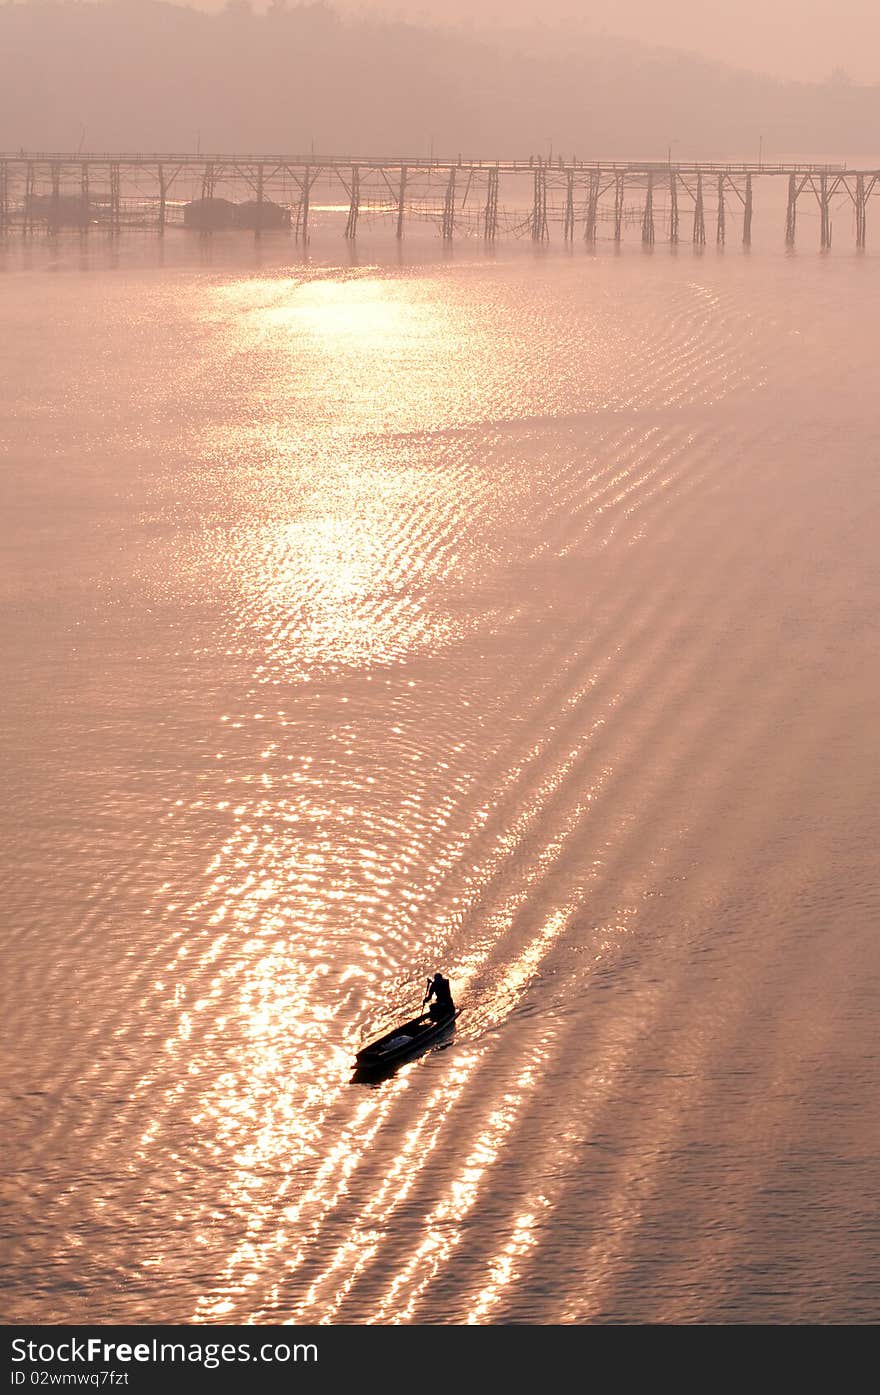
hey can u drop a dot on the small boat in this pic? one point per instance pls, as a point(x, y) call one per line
point(402, 1043)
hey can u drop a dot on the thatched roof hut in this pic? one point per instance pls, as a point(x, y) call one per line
point(262, 215)
point(59, 211)
point(209, 215)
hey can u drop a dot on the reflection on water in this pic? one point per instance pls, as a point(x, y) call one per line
point(510, 616)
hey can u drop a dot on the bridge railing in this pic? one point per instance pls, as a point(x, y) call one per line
point(524, 165)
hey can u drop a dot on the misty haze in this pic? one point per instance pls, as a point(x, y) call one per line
point(144, 76)
point(439, 468)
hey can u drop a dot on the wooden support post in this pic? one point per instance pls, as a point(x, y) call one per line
point(490, 217)
point(55, 216)
point(539, 204)
point(306, 191)
point(747, 213)
point(115, 198)
point(163, 196)
point(260, 199)
point(354, 205)
point(401, 202)
point(791, 210)
point(27, 223)
point(448, 223)
point(84, 196)
point(673, 207)
point(699, 214)
point(720, 230)
point(618, 205)
point(592, 208)
point(824, 212)
point(861, 212)
point(4, 196)
point(568, 227)
point(648, 216)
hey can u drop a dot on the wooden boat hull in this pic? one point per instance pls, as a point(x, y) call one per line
point(403, 1043)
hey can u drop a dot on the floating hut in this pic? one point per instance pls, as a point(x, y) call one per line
point(59, 210)
point(259, 216)
point(209, 215)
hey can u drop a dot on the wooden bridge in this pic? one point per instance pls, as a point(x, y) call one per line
point(461, 197)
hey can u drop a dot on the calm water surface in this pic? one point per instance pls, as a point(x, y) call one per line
point(512, 615)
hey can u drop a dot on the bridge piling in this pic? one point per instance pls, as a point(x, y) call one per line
point(448, 225)
point(539, 205)
point(55, 215)
point(824, 213)
point(618, 206)
point(568, 222)
point(27, 225)
point(115, 198)
point(699, 215)
point(861, 219)
point(747, 213)
point(490, 215)
point(84, 197)
point(401, 202)
point(304, 204)
point(354, 203)
point(791, 210)
point(592, 208)
point(648, 215)
point(260, 199)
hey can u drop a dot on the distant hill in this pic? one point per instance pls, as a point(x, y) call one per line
point(152, 76)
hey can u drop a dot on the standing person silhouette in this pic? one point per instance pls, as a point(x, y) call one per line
point(439, 989)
